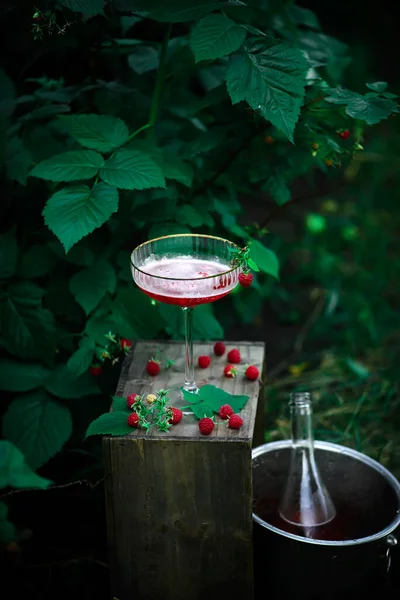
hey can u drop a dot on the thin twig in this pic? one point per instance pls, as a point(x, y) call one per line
point(227, 163)
point(85, 482)
point(308, 325)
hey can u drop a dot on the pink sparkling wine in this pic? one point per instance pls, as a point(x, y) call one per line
point(184, 280)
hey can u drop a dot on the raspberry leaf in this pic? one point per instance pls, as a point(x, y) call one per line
point(132, 170)
point(209, 400)
point(270, 75)
point(177, 169)
point(69, 166)
point(113, 423)
point(89, 286)
point(38, 425)
point(98, 132)
point(265, 258)
point(119, 404)
point(27, 328)
point(216, 397)
point(81, 360)
point(144, 59)
point(215, 36)
point(14, 472)
point(75, 211)
point(17, 376)
point(63, 385)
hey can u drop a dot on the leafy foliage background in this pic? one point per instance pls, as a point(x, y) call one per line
point(128, 120)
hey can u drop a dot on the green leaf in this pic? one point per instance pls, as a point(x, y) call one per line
point(378, 86)
point(176, 11)
point(132, 170)
point(304, 16)
point(8, 255)
point(340, 95)
point(89, 286)
point(38, 261)
point(215, 36)
point(28, 328)
point(69, 166)
point(277, 187)
point(119, 404)
point(99, 132)
point(253, 265)
point(14, 472)
point(63, 385)
point(370, 110)
point(187, 215)
point(81, 360)
point(21, 377)
point(18, 160)
point(265, 258)
point(209, 400)
point(144, 59)
point(216, 397)
point(88, 7)
point(75, 211)
point(271, 76)
point(113, 423)
point(357, 368)
point(136, 314)
point(177, 169)
point(38, 426)
point(199, 406)
point(8, 533)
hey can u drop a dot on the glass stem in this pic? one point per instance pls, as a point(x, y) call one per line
point(190, 384)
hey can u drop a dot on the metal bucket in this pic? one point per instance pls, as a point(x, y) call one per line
point(288, 566)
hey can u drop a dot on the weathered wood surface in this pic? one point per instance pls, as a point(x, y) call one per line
point(179, 504)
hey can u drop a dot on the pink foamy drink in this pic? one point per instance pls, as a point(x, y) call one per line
point(185, 280)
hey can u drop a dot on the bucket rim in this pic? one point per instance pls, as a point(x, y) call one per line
point(321, 445)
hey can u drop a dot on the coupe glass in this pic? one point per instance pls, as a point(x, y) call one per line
point(185, 270)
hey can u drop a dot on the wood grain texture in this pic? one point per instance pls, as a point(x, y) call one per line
point(179, 504)
point(134, 379)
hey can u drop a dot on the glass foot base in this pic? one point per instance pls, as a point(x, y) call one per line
point(178, 400)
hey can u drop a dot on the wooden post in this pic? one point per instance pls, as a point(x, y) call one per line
point(179, 504)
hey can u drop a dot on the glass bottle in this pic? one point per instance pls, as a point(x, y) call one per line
point(306, 502)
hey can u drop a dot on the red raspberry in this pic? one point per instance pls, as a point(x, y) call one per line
point(235, 422)
point(125, 344)
point(245, 279)
point(206, 425)
point(219, 349)
point(252, 373)
point(234, 356)
point(153, 367)
point(131, 399)
point(344, 134)
point(176, 416)
point(225, 411)
point(133, 420)
point(95, 370)
point(230, 371)
point(204, 362)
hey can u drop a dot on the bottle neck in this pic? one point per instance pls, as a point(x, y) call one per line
point(301, 419)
